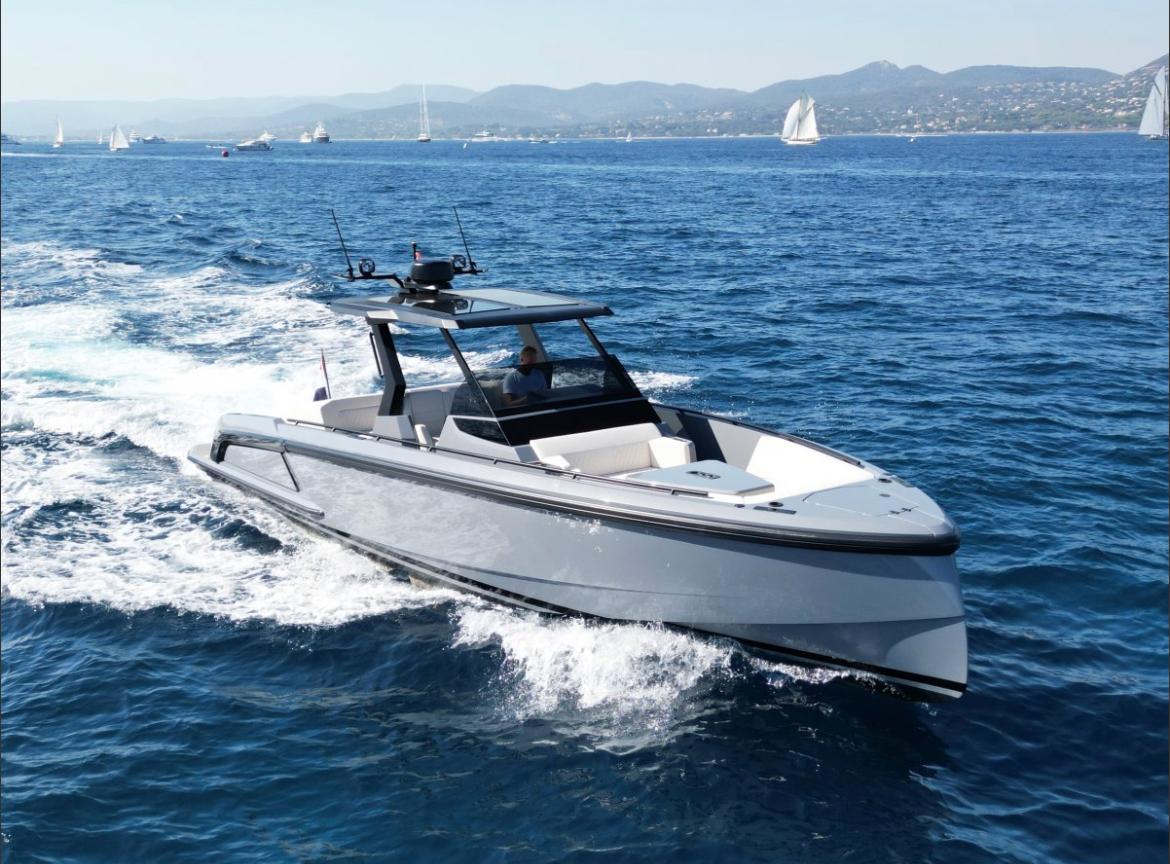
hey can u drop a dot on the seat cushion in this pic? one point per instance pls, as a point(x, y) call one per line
point(795, 469)
point(428, 407)
point(602, 451)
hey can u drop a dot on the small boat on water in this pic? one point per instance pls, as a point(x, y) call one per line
point(1156, 115)
point(555, 485)
point(629, 137)
point(306, 137)
point(800, 124)
point(118, 140)
point(253, 145)
point(154, 139)
point(320, 136)
point(135, 138)
point(424, 119)
point(59, 138)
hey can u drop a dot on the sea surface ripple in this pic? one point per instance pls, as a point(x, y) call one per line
point(188, 677)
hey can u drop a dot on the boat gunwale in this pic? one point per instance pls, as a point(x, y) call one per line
point(846, 542)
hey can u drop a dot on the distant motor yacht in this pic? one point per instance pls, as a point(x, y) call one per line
point(306, 137)
point(557, 486)
point(154, 139)
point(320, 136)
point(266, 136)
point(253, 144)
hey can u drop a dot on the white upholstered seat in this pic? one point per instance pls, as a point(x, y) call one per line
point(614, 451)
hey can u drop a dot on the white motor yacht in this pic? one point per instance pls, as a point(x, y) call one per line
point(557, 486)
point(253, 144)
point(306, 137)
point(320, 136)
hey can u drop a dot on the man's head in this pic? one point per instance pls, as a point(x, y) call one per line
point(527, 356)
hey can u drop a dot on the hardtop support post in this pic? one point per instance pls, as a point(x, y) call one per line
point(394, 394)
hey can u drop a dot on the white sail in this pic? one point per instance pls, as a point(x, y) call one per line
point(101, 139)
point(424, 118)
point(59, 141)
point(1154, 117)
point(806, 129)
point(800, 123)
point(790, 120)
point(118, 139)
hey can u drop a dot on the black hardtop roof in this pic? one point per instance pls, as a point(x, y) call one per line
point(460, 309)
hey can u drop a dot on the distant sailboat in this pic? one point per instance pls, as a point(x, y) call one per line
point(424, 119)
point(629, 137)
point(118, 139)
point(59, 141)
point(800, 124)
point(1154, 119)
point(101, 139)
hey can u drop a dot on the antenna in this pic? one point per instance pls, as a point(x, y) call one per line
point(470, 260)
point(348, 265)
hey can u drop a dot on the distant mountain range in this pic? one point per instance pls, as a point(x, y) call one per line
point(878, 97)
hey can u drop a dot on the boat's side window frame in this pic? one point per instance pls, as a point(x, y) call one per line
point(483, 424)
point(269, 471)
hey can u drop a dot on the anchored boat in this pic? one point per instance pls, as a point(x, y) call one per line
point(556, 485)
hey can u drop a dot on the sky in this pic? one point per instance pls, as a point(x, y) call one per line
point(152, 49)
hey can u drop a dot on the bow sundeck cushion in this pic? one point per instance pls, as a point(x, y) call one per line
point(618, 450)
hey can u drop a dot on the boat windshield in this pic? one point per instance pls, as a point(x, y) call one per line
point(555, 381)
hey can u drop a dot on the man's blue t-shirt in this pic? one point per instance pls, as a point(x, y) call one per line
point(517, 384)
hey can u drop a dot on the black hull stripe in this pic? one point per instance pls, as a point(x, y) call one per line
point(866, 546)
point(512, 598)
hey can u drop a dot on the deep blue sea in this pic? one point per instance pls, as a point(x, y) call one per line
point(188, 677)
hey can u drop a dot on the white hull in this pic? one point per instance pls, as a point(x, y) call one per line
point(890, 616)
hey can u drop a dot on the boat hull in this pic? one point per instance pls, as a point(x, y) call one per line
point(898, 618)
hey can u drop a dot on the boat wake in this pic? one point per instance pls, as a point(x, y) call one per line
point(573, 666)
point(102, 399)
